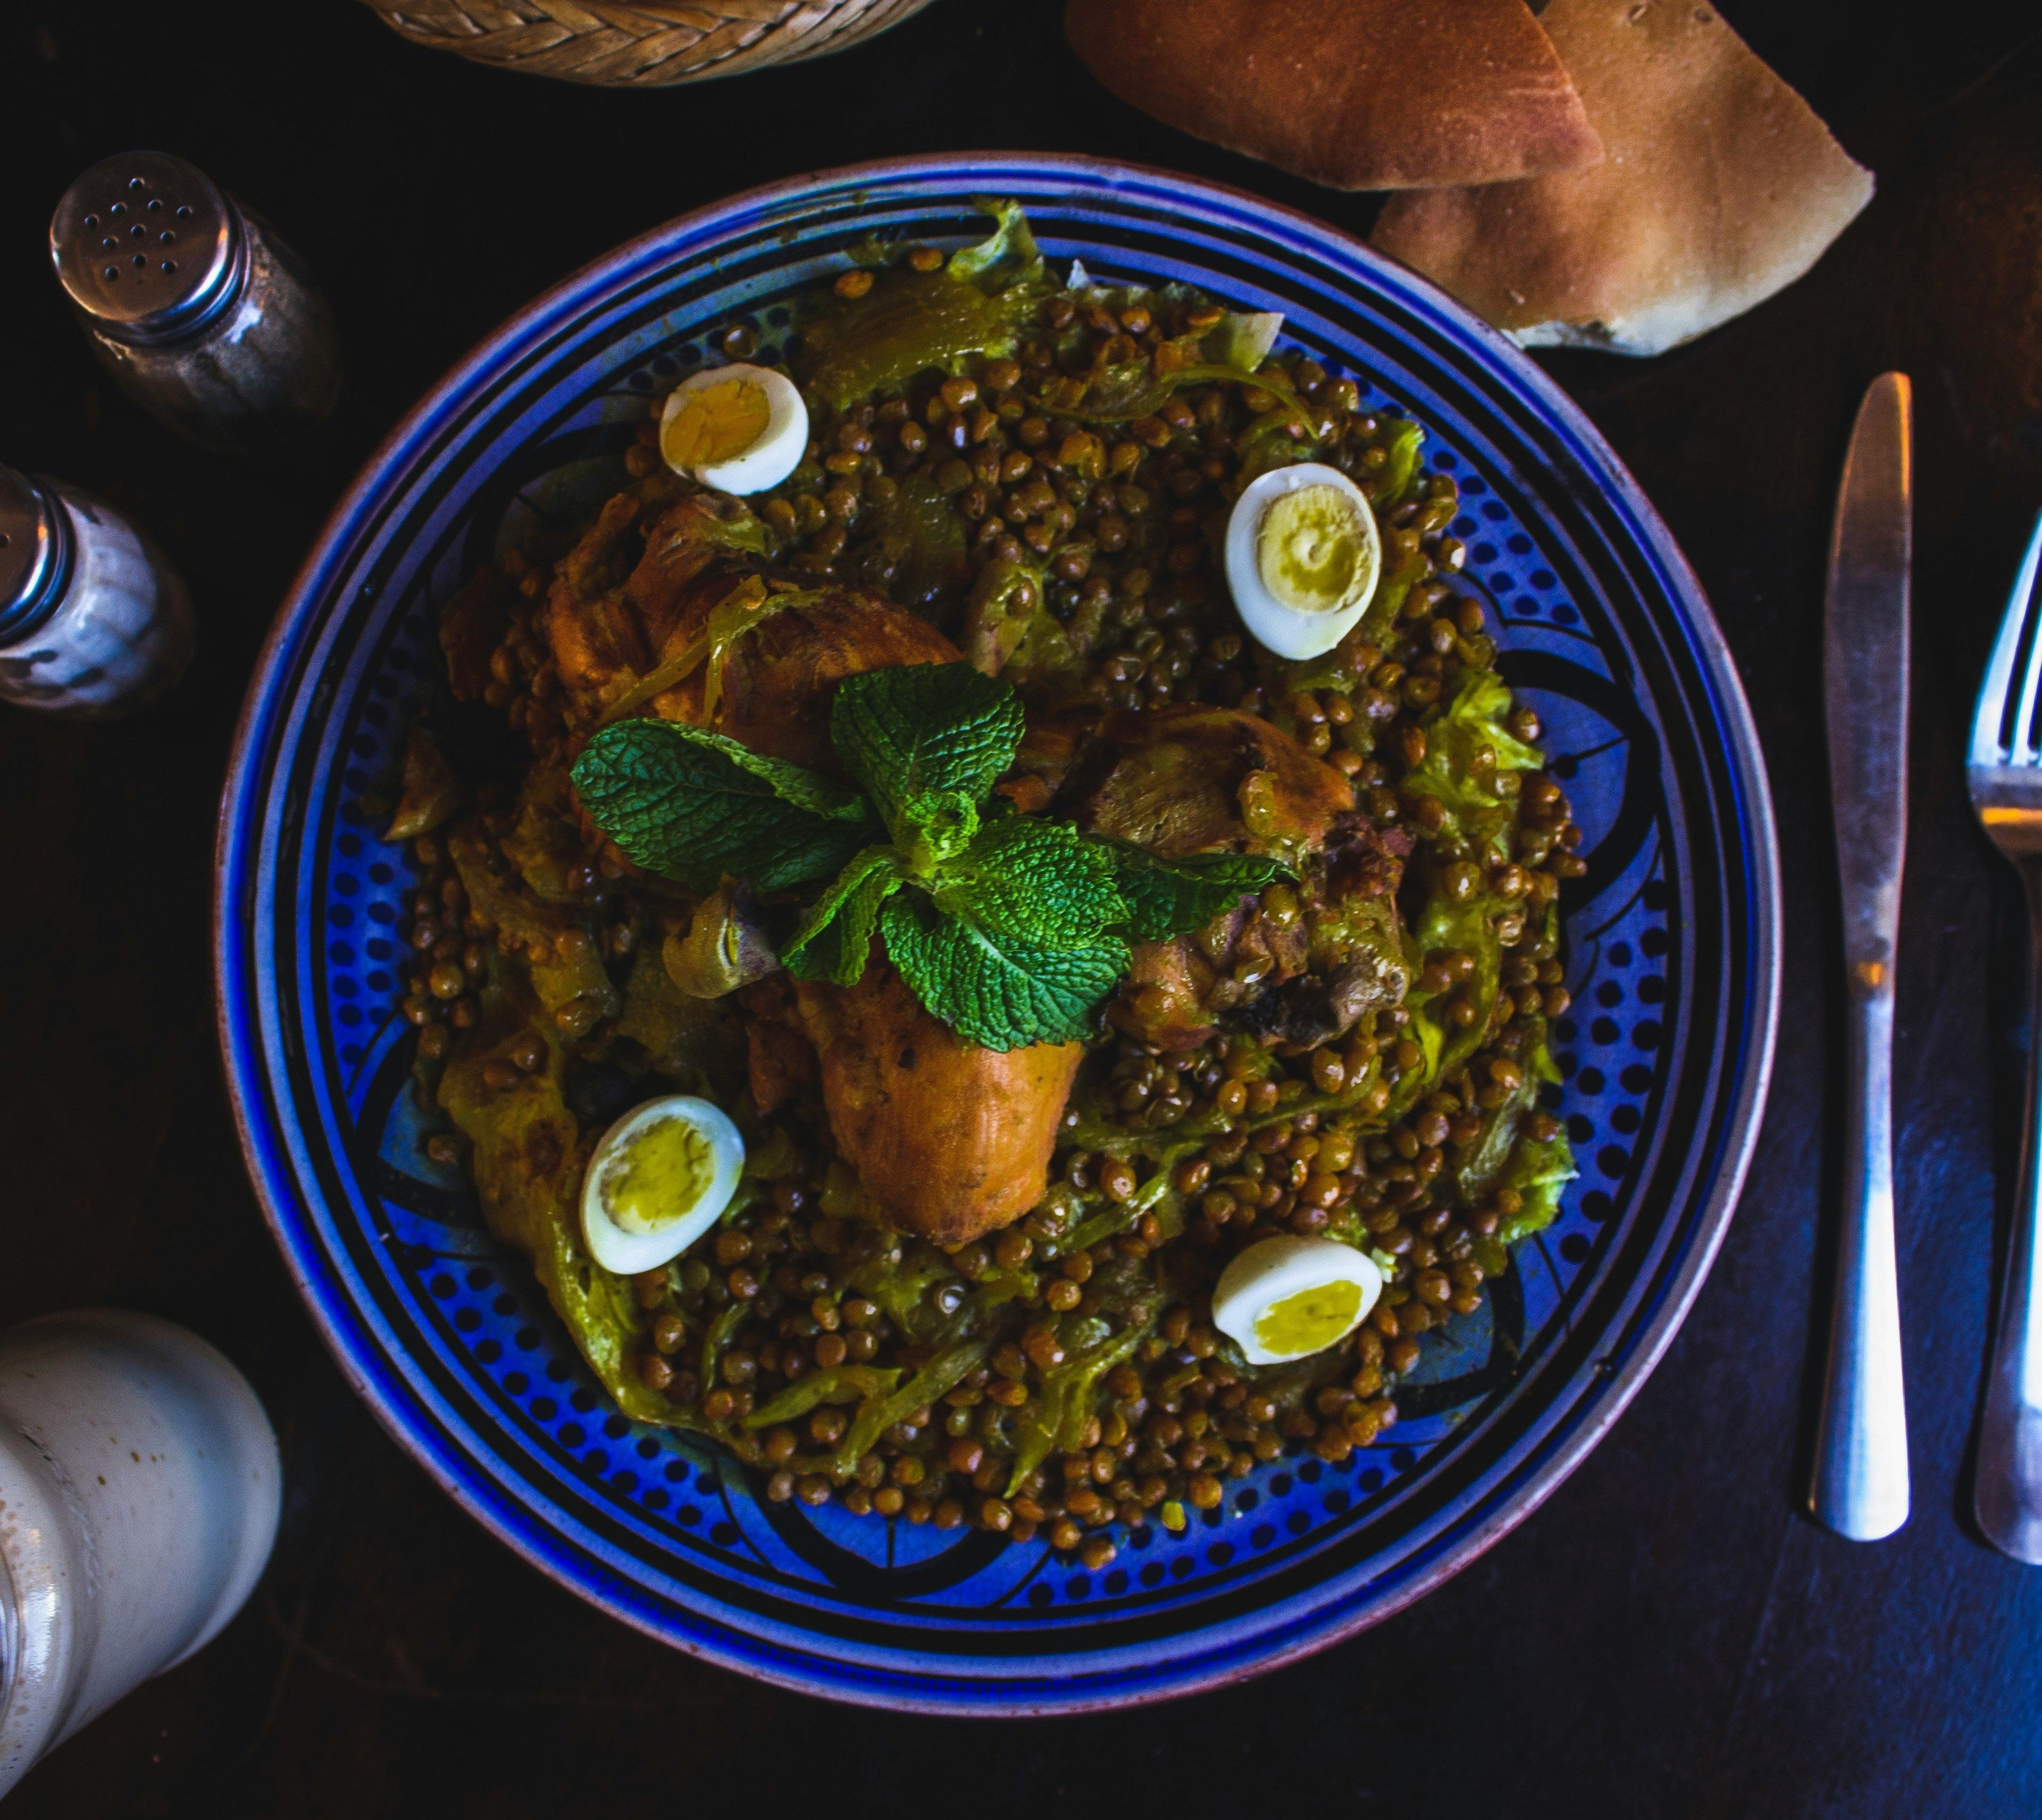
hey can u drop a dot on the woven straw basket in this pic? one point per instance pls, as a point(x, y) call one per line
point(645, 45)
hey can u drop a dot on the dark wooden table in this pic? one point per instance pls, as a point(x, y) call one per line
point(1668, 1635)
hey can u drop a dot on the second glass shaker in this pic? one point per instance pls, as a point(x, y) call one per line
point(193, 304)
point(93, 621)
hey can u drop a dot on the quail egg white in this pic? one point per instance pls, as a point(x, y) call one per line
point(1303, 555)
point(1286, 1297)
point(738, 429)
point(657, 1181)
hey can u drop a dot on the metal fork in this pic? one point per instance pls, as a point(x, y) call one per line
point(2005, 773)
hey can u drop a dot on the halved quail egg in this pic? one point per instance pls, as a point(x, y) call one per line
point(1303, 555)
point(658, 1180)
point(738, 429)
point(1286, 1297)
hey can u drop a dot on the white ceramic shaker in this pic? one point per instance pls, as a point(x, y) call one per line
point(93, 622)
point(139, 1494)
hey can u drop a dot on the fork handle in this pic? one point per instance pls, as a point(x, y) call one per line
point(1860, 1485)
point(2007, 1494)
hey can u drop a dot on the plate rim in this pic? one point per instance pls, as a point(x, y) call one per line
point(499, 1513)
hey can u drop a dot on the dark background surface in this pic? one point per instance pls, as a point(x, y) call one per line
point(1666, 1636)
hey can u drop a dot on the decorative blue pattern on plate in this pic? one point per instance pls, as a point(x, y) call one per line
point(1672, 963)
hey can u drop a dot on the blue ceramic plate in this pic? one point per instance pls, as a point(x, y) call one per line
point(1671, 958)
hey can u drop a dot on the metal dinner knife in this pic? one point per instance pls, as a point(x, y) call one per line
point(1859, 1484)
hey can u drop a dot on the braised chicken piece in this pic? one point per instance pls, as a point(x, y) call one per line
point(953, 1141)
point(776, 681)
point(780, 1061)
point(1189, 779)
point(1184, 780)
point(773, 680)
point(1166, 997)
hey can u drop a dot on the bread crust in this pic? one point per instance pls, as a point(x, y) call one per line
point(1720, 188)
point(1356, 94)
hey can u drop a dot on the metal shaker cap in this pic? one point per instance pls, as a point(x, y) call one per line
point(148, 246)
point(35, 555)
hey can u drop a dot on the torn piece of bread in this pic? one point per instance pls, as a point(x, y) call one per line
point(1720, 187)
point(1358, 94)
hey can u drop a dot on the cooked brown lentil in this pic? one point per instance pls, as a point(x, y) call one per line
point(1175, 1158)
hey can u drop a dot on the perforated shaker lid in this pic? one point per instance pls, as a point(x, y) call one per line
point(147, 246)
point(35, 555)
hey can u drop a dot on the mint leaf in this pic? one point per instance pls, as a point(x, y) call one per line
point(692, 805)
point(830, 941)
point(925, 727)
point(1000, 992)
point(804, 789)
point(1168, 897)
point(935, 826)
point(1038, 881)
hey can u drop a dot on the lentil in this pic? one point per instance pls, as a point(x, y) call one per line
point(1184, 1154)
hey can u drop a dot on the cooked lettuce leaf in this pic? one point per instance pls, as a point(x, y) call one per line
point(1006, 256)
point(975, 304)
point(1482, 1165)
point(1467, 745)
point(877, 1414)
point(1242, 338)
point(1393, 480)
point(1470, 928)
point(1058, 1416)
point(901, 1283)
point(1406, 565)
point(527, 1170)
point(1539, 1172)
point(916, 550)
point(695, 1042)
point(834, 1384)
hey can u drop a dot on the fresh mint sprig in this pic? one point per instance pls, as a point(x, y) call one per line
point(693, 806)
point(1010, 928)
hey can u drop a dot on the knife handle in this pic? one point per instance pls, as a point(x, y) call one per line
point(2007, 1494)
point(1860, 1485)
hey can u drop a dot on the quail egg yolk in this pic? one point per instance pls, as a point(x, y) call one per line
point(716, 423)
point(1310, 549)
point(665, 1171)
point(1309, 1320)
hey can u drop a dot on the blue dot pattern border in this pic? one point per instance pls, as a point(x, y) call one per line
point(1671, 941)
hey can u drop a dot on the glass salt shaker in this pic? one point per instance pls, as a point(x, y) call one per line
point(93, 622)
point(139, 1491)
point(193, 304)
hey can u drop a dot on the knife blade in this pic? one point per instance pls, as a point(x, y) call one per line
point(1860, 1487)
point(1865, 677)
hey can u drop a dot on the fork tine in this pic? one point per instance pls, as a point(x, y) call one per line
point(2020, 740)
point(1986, 746)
